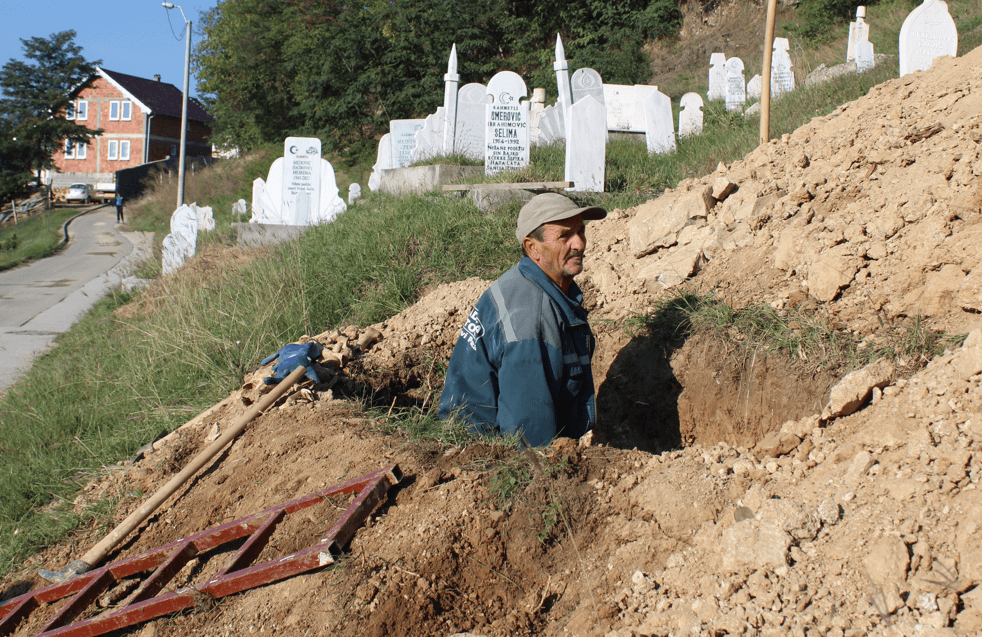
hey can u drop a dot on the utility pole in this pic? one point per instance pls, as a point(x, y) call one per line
point(184, 112)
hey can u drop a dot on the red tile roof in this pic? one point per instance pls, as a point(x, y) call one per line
point(161, 98)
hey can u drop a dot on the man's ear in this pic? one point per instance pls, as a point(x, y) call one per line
point(530, 247)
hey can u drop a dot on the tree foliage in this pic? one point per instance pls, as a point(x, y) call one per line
point(37, 95)
point(272, 68)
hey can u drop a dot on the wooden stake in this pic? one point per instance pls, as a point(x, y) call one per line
point(765, 80)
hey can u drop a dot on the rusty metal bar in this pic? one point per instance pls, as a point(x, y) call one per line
point(170, 558)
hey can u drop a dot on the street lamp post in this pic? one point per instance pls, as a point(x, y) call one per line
point(184, 111)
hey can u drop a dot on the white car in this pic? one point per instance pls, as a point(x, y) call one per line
point(79, 192)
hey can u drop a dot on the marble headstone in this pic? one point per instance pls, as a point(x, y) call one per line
point(354, 193)
point(180, 244)
point(690, 117)
point(782, 77)
point(717, 77)
point(239, 208)
point(858, 31)
point(927, 33)
point(383, 161)
point(586, 145)
point(403, 139)
point(625, 106)
point(305, 209)
point(660, 125)
point(587, 82)
point(507, 130)
point(206, 217)
point(301, 180)
point(736, 90)
point(429, 139)
point(472, 100)
point(864, 56)
point(753, 88)
point(258, 187)
point(550, 127)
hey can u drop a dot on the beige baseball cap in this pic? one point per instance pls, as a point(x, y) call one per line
point(549, 207)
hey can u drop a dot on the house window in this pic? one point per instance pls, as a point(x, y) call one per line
point(113, 149)
point(69, 150)
point(114, 110)
point(80, 151)
point(70, 111)
point(124, 149)
point(127, 108)
point(82, 110)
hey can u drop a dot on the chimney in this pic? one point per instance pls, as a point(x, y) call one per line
point(156, 77)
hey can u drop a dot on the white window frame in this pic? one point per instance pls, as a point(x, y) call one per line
point(82, 110)
point(81, 150)
point(124, 149)
point(126, 111)
point(114, 110)
point(69, 149)
point(112, 152)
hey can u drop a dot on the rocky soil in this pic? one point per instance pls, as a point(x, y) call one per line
point(725, 492)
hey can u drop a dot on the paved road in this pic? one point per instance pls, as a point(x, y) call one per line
point(42, 299)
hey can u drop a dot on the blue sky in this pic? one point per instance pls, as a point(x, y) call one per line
point(131, 36)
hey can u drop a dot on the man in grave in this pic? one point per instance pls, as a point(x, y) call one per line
point(522, 362)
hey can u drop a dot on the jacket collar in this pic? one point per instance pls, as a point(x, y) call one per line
point(571, 304)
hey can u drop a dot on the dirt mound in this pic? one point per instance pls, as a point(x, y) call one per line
point(767, 520)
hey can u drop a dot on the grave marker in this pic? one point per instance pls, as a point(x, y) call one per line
point(354, 193)
point(472, 100)
point(858, 32)
point(383, 161)
point(301, 180)
point(927, 33)
point(753, 88)
point(403, 139)
point(561, 67)
point(587, 82)
point(625, 106)
point(736, 90)
point(717, 77)
point(507, 129)
point(451, 82)
point(180, 244)
point(690, 117)
point(782, 77)
point(660, 126)
point(864, 56)
point(586, 145)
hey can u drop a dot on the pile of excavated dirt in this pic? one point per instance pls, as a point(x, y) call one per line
point(764, 497)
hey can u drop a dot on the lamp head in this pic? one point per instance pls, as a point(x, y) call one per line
point(168, 5)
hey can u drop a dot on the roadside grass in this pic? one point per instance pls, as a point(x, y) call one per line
point(37, 237)
point(803, 336)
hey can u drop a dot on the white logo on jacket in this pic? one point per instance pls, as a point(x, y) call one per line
point(472, 330)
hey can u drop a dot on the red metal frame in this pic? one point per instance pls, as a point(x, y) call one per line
point(169, 559)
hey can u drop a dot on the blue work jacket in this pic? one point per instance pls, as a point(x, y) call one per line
point(522, 360)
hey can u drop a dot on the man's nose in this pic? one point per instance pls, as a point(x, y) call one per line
point(578, 242)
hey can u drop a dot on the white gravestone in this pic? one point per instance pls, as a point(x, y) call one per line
point(383, 161)
point(625, 106)
point(354, 193)
point(206, 217)
point(927, 33)
point(587, 82)
point(561, 67)
point(864, 56)
point(180, 244)
point(660, 125)
point(472, 100)
point(507, 131)
point(451, 81)
point(717, 77)
point(736, 90)
point(305, 210)
point(753, 88)
point(301, 179)
point(858, 32)
point(690, 117)
point(429, 139)
point(782, 77)
point(586, 145)
point(239, 208)
point(550, 127)
point(258, 187)
point(403, 139)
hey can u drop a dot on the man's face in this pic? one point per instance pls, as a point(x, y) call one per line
point(560, 253)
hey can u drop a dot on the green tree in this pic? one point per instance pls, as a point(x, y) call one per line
point(38, 94)
point(15, 165)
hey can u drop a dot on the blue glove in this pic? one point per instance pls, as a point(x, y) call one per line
point(291, 357)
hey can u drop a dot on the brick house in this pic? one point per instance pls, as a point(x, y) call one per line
point(141, 123)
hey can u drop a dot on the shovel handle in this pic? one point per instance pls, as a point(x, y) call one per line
point(99, 551)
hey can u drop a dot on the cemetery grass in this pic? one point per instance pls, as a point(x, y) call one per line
point(120, 377)
point(34, 238)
